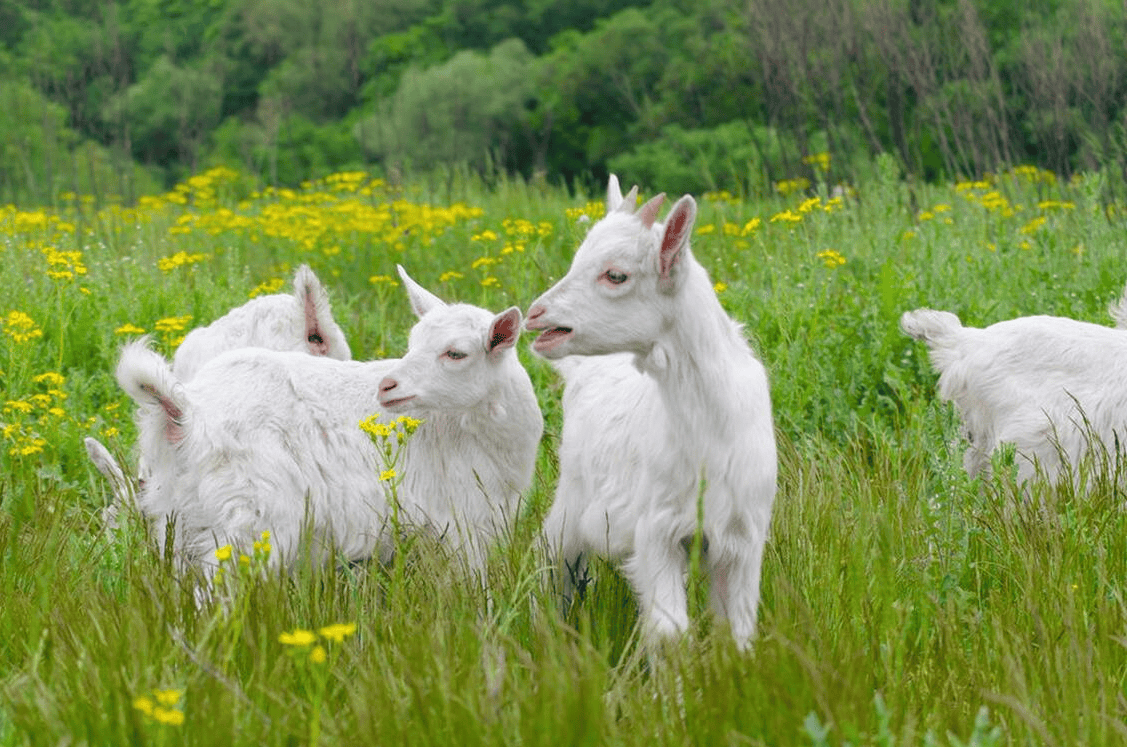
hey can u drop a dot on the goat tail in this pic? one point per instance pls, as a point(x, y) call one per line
point(1118, 311)
point(146, 377)
point(933, 327)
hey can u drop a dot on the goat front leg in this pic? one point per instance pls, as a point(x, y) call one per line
point(657, 572)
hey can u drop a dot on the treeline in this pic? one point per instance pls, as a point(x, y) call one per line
point(123, 95)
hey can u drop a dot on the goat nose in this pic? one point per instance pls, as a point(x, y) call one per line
point(388, 384)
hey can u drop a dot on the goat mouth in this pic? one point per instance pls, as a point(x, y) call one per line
point(389, 403)
point(551, 338)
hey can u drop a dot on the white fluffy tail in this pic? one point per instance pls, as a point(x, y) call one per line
point(931, 326)
point(148, 379)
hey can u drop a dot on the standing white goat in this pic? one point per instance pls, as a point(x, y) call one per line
point(261, 440)
point(675, 428)
point(301, 321)
point(1048, 385)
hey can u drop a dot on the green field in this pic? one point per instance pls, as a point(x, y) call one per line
point(902, 602)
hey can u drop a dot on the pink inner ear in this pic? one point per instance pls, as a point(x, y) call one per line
point(313, 337)
point(504, 330)
point(673, 239)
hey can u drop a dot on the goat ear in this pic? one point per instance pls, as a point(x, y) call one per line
point(314, 301)
point(422, 300)
point(648, 212)
point(675, 237)
point(504, 331)
point(629, 201)
point(614, 194)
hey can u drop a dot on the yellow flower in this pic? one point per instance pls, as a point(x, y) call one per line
point(172, 323)
point(20, 327)
point(378, 279)
point(787, 216)
point(318, 655)
point(169, 716)
point(450, 275)
point(168, 697)
point(129, 329)
point(831, 258)
point(720, 287)
point(338, 631)
point(298, 637)
point(490, 282)
point(387, 474)
point(270, 286)
point(51, 378)
point(223, 553)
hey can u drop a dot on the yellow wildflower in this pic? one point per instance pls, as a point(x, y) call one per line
point(338, 631)
point(450, 275)
point(831, 258)
point(223, 554)
point(720, 287)
point(129, 329)
point(20, 327)
point(318, 655)
point(298, 637)
point(387, 474)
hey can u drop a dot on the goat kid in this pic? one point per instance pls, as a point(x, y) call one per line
point(265, 440)
point(1048, 385)
point(670, 420)
point(301, 321)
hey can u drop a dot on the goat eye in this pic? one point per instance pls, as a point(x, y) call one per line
point(616, 277)
point(456, 355)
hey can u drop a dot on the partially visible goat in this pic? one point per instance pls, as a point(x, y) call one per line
point(262, 440)
point(301, 321)
point(1048, 385)
point(668, 428)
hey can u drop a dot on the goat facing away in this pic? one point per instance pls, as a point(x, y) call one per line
point(1047, 385)
point(266, 440)
point(301, 321)
point(667, 425)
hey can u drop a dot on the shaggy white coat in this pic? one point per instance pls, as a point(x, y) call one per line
point(1044, 384)
point(673, 409)
point(265, 440)
point(301, 321)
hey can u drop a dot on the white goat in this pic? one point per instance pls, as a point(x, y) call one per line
point(1045, 384)
point(1118, 311)
point(301, 321)
point(674, 429)
point(262, 440)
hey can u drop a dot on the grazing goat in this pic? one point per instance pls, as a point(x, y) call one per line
point(264, 440)
point(302, 321)
point(667, 428)
point(1045, 384)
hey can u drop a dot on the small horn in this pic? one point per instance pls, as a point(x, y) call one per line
point(648, 212)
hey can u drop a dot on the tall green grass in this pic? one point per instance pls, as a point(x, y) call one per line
point(902, 602)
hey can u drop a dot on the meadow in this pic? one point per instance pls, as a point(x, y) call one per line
point(903, 603)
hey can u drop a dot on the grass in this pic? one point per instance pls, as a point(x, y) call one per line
point(902, 602)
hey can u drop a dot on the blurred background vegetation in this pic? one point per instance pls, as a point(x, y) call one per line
point(127, 97)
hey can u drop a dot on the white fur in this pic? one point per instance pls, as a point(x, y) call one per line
point(673, 407)
point(301, 321)
point(1044, 384)
point(265, 440)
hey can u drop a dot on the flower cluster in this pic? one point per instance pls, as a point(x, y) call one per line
point(306, 641)
point(20, 327)
point(162, 706)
